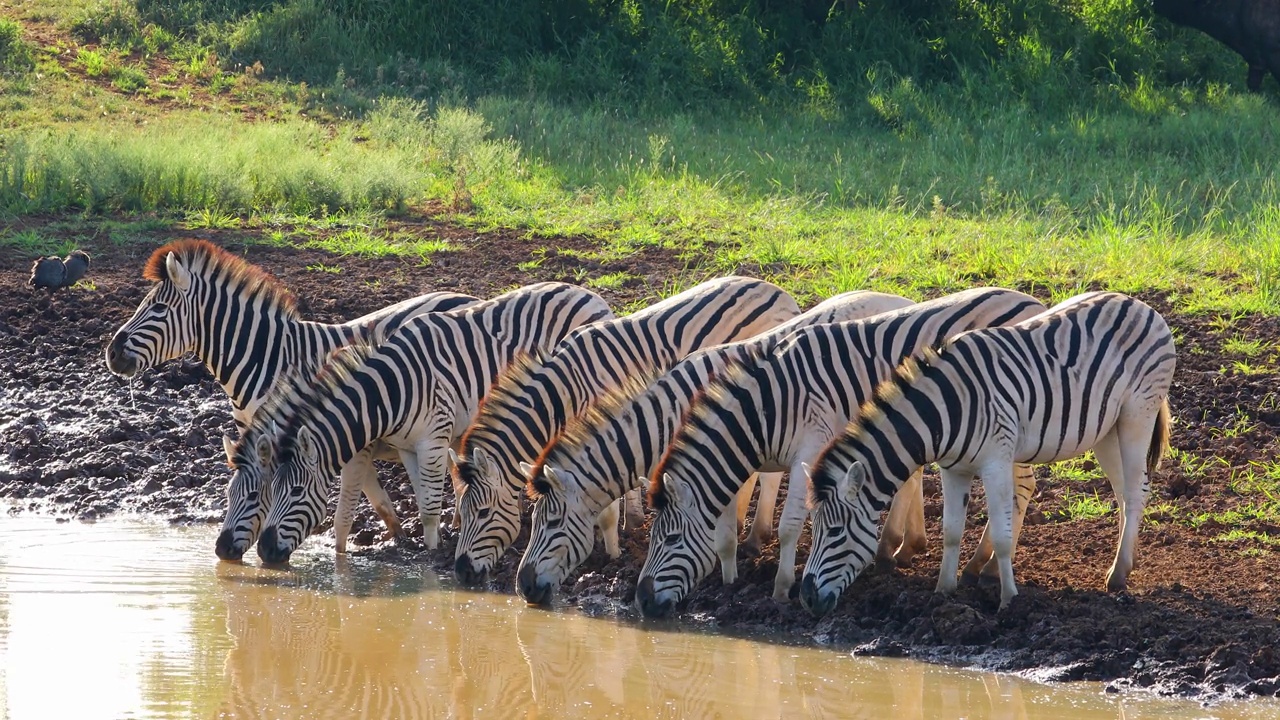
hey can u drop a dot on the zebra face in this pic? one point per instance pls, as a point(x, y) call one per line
point(299, 500)
point(844, 540)
point(681, 550)
point(161, 329)
point(561, 537)
point(247, 499)
point(490, 518)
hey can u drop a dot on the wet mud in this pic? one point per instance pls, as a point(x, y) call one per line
point(1200, 618)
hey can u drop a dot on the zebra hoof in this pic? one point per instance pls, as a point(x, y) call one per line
point(970, 579)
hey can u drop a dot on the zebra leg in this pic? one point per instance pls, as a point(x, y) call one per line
point(1024, 486)
point(433, 461)
point(744, 500)
point(762, 522)
point(352, 482)
point(608, 524)
point(789, 527)
point(1131, 486)
point(997, 481)
point(726, 540)
point(633, 508)
point(913, 537)
point(955, 504)
point(382, 504)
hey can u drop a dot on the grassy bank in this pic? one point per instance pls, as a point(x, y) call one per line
point(891, 180)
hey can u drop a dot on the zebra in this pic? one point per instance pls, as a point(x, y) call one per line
point(776, 409)
point(533, 401)
point(598, 457)
point(1093, 372)
point(415, 391)
point(243, 324)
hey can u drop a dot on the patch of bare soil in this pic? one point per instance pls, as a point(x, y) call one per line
point(1200, 618)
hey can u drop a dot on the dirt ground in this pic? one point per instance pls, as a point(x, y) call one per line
point(1200, 618)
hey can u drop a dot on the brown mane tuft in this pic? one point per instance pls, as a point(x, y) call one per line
point(202, 256)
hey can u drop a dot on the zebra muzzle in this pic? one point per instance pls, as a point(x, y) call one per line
point(818, 604)
point(227, 548)
point(529, 587)
point(270, 549)
point(647, 601)
point(119, 361)
point(467, 573)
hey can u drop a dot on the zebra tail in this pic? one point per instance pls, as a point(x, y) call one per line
point(1159, 438)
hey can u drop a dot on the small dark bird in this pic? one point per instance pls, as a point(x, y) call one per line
point(48, 273)
point(77, 264)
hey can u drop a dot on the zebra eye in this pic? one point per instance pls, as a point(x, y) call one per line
point(482, 513)
point(295, 492)
point(834, 531)
point(252, 497)
point(553, 523)
point(673, 539)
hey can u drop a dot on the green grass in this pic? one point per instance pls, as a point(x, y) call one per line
point(1074, 470)
point(1084, 506)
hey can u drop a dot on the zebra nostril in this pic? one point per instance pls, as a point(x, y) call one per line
point(270, 549)
point(534, 592)
point(226, 548)
point(118, 361)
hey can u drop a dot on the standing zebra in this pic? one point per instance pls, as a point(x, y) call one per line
point(599, 456)
point(1091, 373)
point(774, 410)
point(415, 391)
point(243, 324)
point(532, 402)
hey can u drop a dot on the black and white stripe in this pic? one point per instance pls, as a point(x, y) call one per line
point(244, 326)
point(415, 391)
point(530, 404)
point(600, 455)
point(776, 409)
point(1091, 373)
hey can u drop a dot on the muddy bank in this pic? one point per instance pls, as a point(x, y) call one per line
point(1201, 618)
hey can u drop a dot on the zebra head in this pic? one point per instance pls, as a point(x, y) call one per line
point(681, 549)
point(299, 498)
point(162, 328)
point(490, 516)
point(843, 537)
point(561, 537)
point(247, 497)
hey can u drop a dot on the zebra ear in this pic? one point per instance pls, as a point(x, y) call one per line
point(554, 478)
point(485, 464)
point(526, 469)
point(178, 275)
point(307, 448)
point(851, 484)
point(263, 445)
point(229, 447)
point(678, 490)
point(454, 457)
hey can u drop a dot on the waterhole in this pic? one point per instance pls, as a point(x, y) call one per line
point(130, 619)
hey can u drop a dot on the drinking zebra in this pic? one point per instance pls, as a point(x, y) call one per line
point(244, 325)
point(415, 391)
point(1091, 373)
point(775, 409)
point(532, 402)
point(600, 455)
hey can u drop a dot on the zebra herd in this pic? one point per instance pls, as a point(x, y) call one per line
point(542, 392)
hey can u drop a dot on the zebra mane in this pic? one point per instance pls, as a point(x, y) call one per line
point(292, 404)
point(821, 476)
point(202, 257)
point(507, 391)
point(582, 429)
point(735, 369)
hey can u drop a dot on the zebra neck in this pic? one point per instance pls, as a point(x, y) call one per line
point(241, 348)
point(356, 411)
point(918, 425)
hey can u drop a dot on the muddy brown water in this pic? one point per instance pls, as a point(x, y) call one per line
point(126, 618)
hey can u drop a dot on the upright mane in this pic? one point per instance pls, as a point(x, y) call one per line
point(202, 257)
point(585, 427)
point(506, 392)
point(291, 403)
point(907, 373)
point(736, 368)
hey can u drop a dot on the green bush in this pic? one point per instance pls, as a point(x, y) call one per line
point(15, 53)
